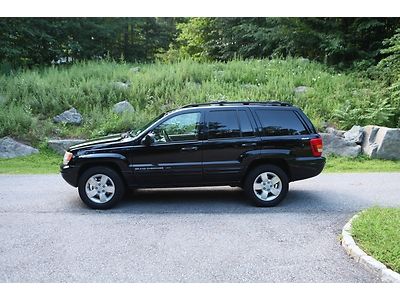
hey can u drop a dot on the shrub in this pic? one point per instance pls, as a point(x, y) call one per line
point(14, 121)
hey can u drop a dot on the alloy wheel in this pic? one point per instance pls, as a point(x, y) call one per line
point(100, 188)
point(267, 186)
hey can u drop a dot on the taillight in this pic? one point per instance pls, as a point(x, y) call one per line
point(316, 146)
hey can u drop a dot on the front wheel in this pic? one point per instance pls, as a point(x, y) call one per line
point(101, 187)
point(266, 185)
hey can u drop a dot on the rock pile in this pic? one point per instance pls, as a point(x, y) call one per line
point(373, 141)
point(336, 143)
point(134, 69)
point(122, 107)
point(71, 116)
point(299, 90)
point(381, 142)
point(121, 85)
point(10, 148)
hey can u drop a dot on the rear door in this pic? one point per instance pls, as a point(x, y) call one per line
point(230, 135)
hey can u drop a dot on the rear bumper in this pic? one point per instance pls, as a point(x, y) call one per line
point(306, 167)
point(70, 174)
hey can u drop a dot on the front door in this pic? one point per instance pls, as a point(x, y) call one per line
point(175, 158)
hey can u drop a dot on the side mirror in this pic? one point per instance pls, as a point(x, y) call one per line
point(148, 139)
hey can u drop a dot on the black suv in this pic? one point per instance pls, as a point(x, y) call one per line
point(259, 146)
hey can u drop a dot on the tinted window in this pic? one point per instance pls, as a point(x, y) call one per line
point(245, 125)
point(223, 124)
point(279, 122)
point(183, 127)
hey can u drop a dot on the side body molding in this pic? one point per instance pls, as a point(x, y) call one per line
point(120, 160)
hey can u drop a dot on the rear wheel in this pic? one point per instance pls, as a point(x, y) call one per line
point(266, 185)
point(101, 187)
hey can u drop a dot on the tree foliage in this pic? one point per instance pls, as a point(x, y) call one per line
point(390, 69)
point(343, 42)
point(337, 41)
point(38, 41)
point(391, 63)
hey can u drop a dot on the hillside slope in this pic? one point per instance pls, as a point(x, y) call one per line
point(30, 99)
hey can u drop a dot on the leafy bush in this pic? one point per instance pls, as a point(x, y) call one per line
point(368, 112)
point(14, 121)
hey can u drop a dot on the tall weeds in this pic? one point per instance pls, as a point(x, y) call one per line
point(32, 97)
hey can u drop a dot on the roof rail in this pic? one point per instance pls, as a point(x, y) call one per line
point(223, 103)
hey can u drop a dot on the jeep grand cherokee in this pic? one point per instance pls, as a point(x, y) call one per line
point(259, 146)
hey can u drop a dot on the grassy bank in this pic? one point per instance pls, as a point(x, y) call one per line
point(377, 232)
point(360, 164)
point(47, 162)
point(30, 99)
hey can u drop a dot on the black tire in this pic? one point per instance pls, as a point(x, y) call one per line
point(116, 181)
point(254, 174)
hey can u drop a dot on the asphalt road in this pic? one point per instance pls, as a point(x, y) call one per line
point(184, 235)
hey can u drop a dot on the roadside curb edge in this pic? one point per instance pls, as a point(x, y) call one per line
point(368, 262)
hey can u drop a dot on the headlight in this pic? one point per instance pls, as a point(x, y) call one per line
point(67, 157)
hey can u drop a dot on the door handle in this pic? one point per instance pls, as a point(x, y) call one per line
point(248, 144)
point(189, 148)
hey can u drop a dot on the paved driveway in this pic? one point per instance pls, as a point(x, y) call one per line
point(184, 235)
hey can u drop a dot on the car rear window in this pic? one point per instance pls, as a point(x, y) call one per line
point(280, 122)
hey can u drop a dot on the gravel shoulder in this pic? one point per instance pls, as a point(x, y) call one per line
point(184, 235)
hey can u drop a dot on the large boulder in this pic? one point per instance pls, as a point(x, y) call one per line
point(303, 60)
point(122, 107)
point(249, 86)
point(337, 145)
point(71, 116)
point(60, 146)
point(121, 85)
point(355, 134)
point(134, 69)
point(300, 90)
point(381, 142)
point(10, 148)
point(3, 99)
point(219, 73)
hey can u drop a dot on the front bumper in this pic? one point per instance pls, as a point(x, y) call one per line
point(70, 174)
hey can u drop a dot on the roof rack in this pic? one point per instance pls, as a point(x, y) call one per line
point(223, 103)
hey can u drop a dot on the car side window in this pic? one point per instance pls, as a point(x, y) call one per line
point(280, 122)
point(183, 127)
point(223, 124)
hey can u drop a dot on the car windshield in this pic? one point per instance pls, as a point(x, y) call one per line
point(138, 131)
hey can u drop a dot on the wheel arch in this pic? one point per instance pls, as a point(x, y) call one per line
point(98, 163)
point(279, 162)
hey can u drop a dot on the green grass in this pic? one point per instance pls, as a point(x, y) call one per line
point(377, 232)
point(29, 99)
point(45, 162)
point(360, 164)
